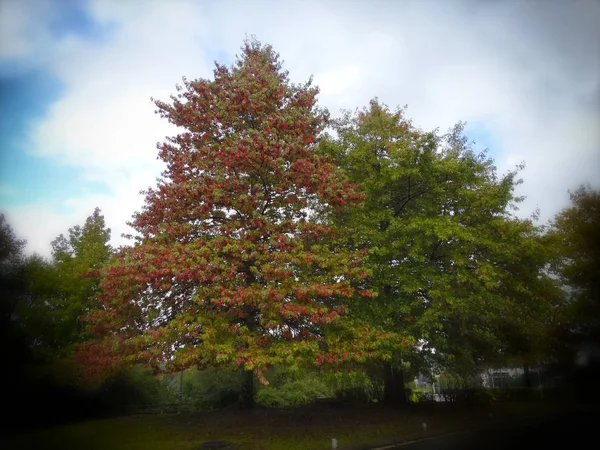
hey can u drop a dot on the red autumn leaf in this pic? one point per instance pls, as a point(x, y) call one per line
point(227, 220)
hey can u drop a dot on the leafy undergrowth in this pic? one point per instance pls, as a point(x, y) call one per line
point(307, 428)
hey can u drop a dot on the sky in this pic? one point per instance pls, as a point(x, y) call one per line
point(78, 129)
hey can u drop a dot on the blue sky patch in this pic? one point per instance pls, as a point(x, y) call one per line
point(25, 177)
point(72, 17)
point(25, 96)
point(484, 139)
point(224, 58)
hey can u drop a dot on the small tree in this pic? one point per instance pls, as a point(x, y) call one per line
point(61, 291)
point(230, 266)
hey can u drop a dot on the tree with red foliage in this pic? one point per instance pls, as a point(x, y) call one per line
point(236, 263)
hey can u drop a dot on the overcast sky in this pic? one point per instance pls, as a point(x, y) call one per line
point(78, 129)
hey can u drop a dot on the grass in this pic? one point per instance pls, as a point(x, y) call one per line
point(306, 428)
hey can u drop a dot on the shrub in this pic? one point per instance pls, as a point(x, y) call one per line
point(355, 386)
point(210, 389)
point(516, 394)
point(355, 394)
point(293, 392)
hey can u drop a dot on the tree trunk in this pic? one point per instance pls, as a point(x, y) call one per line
point(393, 385)
point(247, 392)
point(526, 375)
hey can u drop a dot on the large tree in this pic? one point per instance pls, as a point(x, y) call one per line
point(453, 269)
point(230, 266)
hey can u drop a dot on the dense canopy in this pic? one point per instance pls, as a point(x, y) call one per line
point(236, 262)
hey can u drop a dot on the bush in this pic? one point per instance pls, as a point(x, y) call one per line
point(516, 394)
point(355, 387)
point(356, 394)
point(293, 392)
point(419, 396)
point(208, 389)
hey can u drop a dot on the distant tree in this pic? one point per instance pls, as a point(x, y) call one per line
point(13, 345)
point(575, 236)
point(454, 271)
point(11, 270)
point(62, 290)
point(230, 267)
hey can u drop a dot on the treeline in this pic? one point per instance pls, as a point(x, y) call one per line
point(281, 246)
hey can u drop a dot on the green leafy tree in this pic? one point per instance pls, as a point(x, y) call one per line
point(13, 344)
point(575, 236)
point(11, 271)
point(62, 290)
point(454, 271)
point(230, 267)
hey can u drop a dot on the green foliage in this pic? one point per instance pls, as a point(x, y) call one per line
point(296, 392)
point(128, 391)
point(62, 290)
point(451, 267)
point(451, 382)
point(355, 386)
point(292, 387)
point(207, 389)
point(13, 342)
point(12, 279)
point(42, 304)
point(236, 263)
point(575, 237)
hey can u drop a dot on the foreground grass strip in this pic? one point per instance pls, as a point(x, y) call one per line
point(309, 428)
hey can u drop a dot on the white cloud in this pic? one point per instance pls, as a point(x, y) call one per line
point(492, 63)
point(24, 35)
point(339, 81)
point(17, 25)
point(40, 223)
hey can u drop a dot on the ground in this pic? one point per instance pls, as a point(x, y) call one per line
point(306, 428)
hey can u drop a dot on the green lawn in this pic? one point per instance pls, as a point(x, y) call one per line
point(309, 428)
